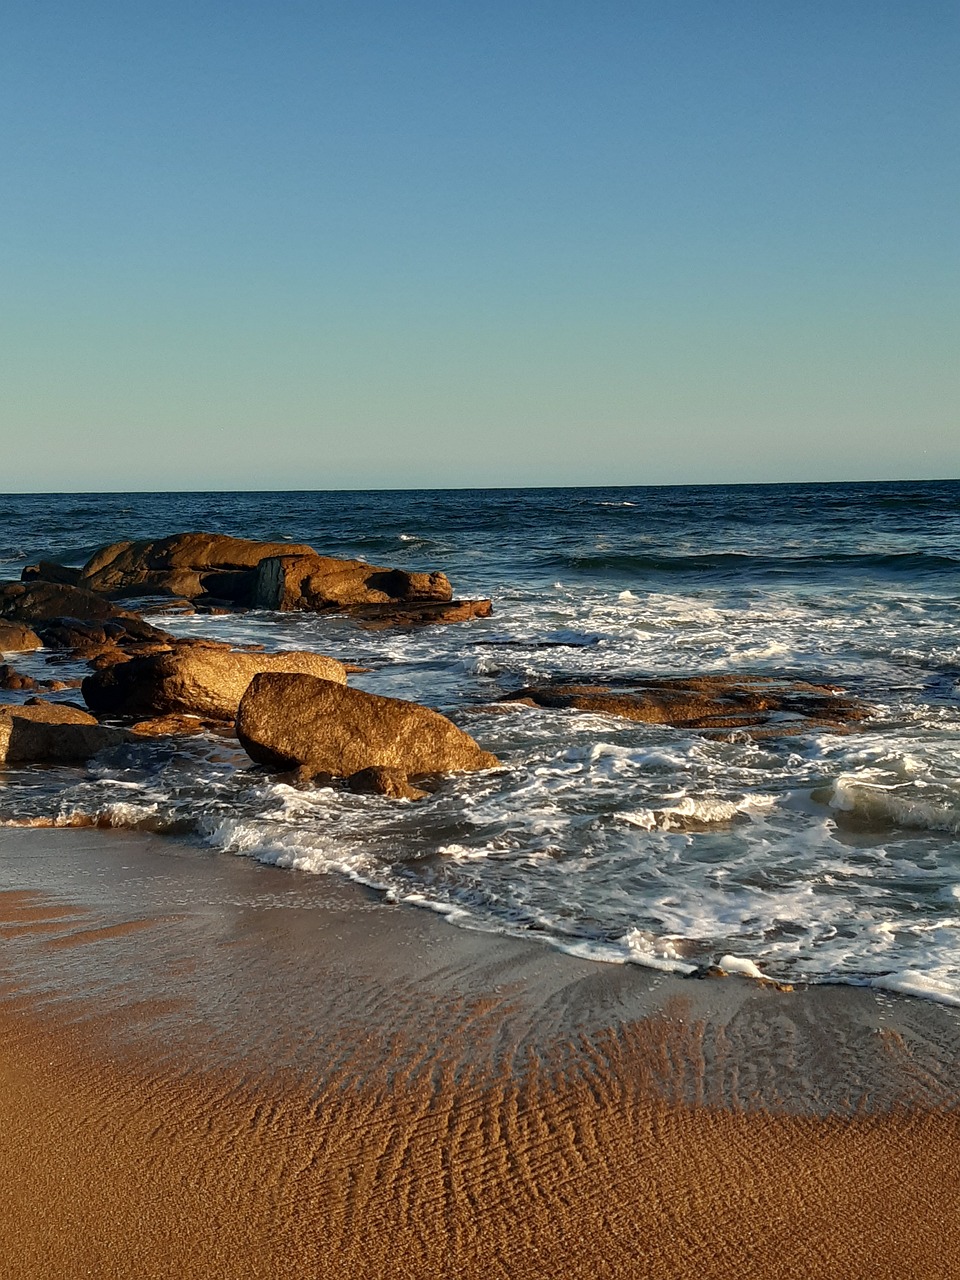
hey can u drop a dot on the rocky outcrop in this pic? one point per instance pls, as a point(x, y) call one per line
point(15, 638)
point(320, 583)
point(185, 564)
point(52, 732)
point(32, 602)
point(194, 680)
point(331, 730)
point(86, 638)
point(759, 705)
point(12, 679)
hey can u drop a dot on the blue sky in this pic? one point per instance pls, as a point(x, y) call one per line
point(315, 245)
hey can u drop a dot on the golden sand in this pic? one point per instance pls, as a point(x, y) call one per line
point(411, 1146)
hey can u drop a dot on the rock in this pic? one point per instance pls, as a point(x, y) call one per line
point(174, 726)
point(47, 571)
point(289, 720)
point(15, 638)
point(320, 583)
point(763, 706)
point(77, 636)
point(180, 564)
point(378, 617)
point(45, 601)
point(380, 781)
point(193, 679)
point(15, 680)
point(52, 732)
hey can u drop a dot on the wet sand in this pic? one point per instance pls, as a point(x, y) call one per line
point(213, 1068)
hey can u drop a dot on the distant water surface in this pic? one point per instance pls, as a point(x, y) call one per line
point(820, 858)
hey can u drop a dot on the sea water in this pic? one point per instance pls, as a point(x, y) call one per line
point(821, 857)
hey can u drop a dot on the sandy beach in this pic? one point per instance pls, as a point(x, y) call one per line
point(216, 1068)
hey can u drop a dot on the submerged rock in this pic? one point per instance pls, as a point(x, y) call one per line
point(759, 705)
point(321, 583)
point(288, 720)
point(381, 781)
point(194, 679)
point(52, 732)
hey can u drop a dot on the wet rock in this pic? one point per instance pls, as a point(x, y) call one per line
point(378, 617)
point(194, 679)
point(763, 706)
point(14, 680)
point(184, 564)
point(51, 732)
point(15, 638)
point(287, 720)
point(323, 583)
point(83, 637)
point(380, 781)
point(181, 726)
point(47, 571)
point(31, 602)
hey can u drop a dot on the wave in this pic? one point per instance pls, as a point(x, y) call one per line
point(886, 807)
point(906, 563)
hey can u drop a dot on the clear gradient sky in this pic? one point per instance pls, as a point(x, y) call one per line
point(391, 243)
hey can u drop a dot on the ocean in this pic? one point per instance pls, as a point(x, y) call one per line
point(817, 858)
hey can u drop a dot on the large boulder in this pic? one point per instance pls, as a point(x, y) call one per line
point(287, 721)
point(319, 583)
point(52, 732)
point(193, 680)
point(763, 706)
point(184, 564)
point(16, 638)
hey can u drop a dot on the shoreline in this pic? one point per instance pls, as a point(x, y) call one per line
point(212, 1067)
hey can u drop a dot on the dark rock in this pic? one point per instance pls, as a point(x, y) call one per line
point(194, 679)
point(39, 601)
point(15, 680)
point(177, 565)
point(52, 732)
point(47, 571)
point(15, 638)
point(75, 635)
point(381, 781)
point(765, 706)
point(322, 583)
point(287, 720)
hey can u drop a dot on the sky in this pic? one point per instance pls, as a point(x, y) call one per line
point(317, 245)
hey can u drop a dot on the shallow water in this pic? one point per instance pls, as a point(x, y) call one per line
point(819, 857)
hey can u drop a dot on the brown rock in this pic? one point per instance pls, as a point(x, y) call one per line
point(378, 617)
point(760, 705)
point(288, 720)
point(52, 732)
point(74, 635)
point(176, 565)
point(12, 679)
point(47, 571)
point(15, 638)
point(45, 601)
point(181, 727)
point(320, 583)
point(193, 679)
point(380, 781)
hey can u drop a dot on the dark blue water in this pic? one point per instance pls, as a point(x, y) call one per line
point(823, 857)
